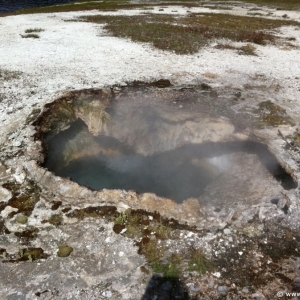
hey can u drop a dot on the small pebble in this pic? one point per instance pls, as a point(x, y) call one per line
point(227, 231)
point(107, 294)
point(222, 289)
point(193, 288)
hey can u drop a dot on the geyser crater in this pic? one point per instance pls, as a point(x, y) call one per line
point(171, 142)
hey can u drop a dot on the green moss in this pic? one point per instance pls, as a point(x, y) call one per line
point(31, 30)
point(23, 254)
point(24, 197)
point(296, 138)
point(33, 254)
point(133, 231)
point(56, 220)
point(121, 219)
point(132, 222)
point(170, 268)
point(109, 212)
point(25, 204)
point(172, 265)
point(271, 114)
point(198, 262)
point(30, 35)
point(161, 231)
point(28, 234)
point(149, 230)
point(64, 251)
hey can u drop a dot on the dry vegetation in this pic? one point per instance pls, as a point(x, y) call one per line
point(279, 4)
point(248, 49)
point(187, 34)
point(32, 30)
point(6, 75)
point(30, 35)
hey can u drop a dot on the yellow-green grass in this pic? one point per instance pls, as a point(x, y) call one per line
point(187, 34)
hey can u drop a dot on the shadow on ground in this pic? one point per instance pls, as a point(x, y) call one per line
point(166, 288)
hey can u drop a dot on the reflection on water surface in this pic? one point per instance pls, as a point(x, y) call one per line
point(12, 5)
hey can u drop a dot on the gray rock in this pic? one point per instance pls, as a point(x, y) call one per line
point(5, 194)
point(193, 288)
point(107, 294)
point(258, 295)
point(227, 231)
point(222, 289)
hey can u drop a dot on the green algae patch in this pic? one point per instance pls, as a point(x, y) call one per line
point(64, 251)
point(29, 234)
point(33, 254)
point(25, 254)
point(55, 220)
point(21, 219)
point(24, 197)
point(109, 212)
point(271, 114)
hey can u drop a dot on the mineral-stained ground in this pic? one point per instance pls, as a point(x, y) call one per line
point(228, 109)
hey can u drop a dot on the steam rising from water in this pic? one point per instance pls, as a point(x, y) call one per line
point(180, 173)
point(221, 162)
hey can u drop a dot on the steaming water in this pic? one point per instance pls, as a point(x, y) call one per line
point(177, 174)
point(12, 5)
point(174, 174)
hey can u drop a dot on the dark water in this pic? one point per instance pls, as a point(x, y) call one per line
point(177, 174)
point(12, 5)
